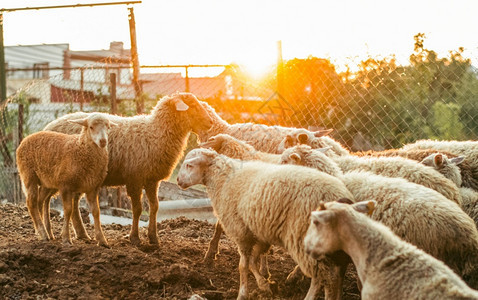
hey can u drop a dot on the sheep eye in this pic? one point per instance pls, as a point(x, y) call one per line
point(91, 127)
point(316, 223)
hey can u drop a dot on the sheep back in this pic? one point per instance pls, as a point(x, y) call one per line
point(403, 168)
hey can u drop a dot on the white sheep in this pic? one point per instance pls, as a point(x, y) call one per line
point(261, 204)
point(464, 148)
point(52, 162)
point(388, 267)
point(415, 213)
point(401, 167)
point(144, 149)
point(261, 137)
point(233, 148)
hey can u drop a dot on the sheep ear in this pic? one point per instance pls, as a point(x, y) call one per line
point(295, 157)
point(212, 143)
point(303, 138)
point(82, 122)
point(323, 132)
point(321, 217)
point(438, 160)
point(345, 200)
point(365, 207)
point(180, 105)
point(323, 150)
point(457, 160)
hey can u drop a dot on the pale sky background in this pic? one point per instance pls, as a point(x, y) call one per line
point(247, 31)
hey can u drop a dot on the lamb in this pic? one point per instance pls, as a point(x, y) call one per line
point(261, 137)
point(415, 213)
point(51, 161)
point(464, 148)
point(303, 137)
point(388, 267)
point(261, 204)
point(144, 150)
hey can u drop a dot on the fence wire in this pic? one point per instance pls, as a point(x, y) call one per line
point(371, 104)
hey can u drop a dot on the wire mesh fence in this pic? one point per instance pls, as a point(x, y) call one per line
point(375, 103)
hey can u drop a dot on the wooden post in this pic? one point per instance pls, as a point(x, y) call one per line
point(3, 75)
point(135, 61)
point(17, 186)
point(187, 80)
point(280, 70)
point(114, 106)
point(82, 87)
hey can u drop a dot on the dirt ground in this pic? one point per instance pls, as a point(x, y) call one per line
point(32, 269)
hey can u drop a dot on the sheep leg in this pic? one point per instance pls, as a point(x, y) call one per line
point(335, 280)
point(314, 289)
point(77, 221)
point(33, 209)
point(92, 198)
point(44, 199)
point(213, 248)
point(152, 193)
point(295, 275)
point(264, 269)
point(243, 274)
point(67, 198)
point(135, 194)
point(256, 255)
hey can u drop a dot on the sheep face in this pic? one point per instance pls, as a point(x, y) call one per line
point(193, 170)
point(325, 233)
point(97, 128)
point(191, 112)
point(321, 237)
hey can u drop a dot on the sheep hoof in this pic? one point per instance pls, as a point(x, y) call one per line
point(104, 244)
point(43, 238)
point(209, 258)
point(135, 240)
point(154, 242)
point(82, 237)
point(67, 242)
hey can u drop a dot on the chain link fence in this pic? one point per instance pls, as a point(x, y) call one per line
point(375, 103)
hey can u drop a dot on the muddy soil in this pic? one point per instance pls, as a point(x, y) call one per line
point(32, 269)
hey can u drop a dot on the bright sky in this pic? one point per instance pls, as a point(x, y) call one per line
point(247, 31)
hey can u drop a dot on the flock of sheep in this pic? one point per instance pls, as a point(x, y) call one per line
point(273, 185)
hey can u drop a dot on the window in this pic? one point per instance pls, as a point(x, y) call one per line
point(40, 70)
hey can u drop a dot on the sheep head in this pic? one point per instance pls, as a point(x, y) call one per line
point(96, 126)
point(194, 167)
point(324, 235)
point(302, 137)
point(190, 112)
